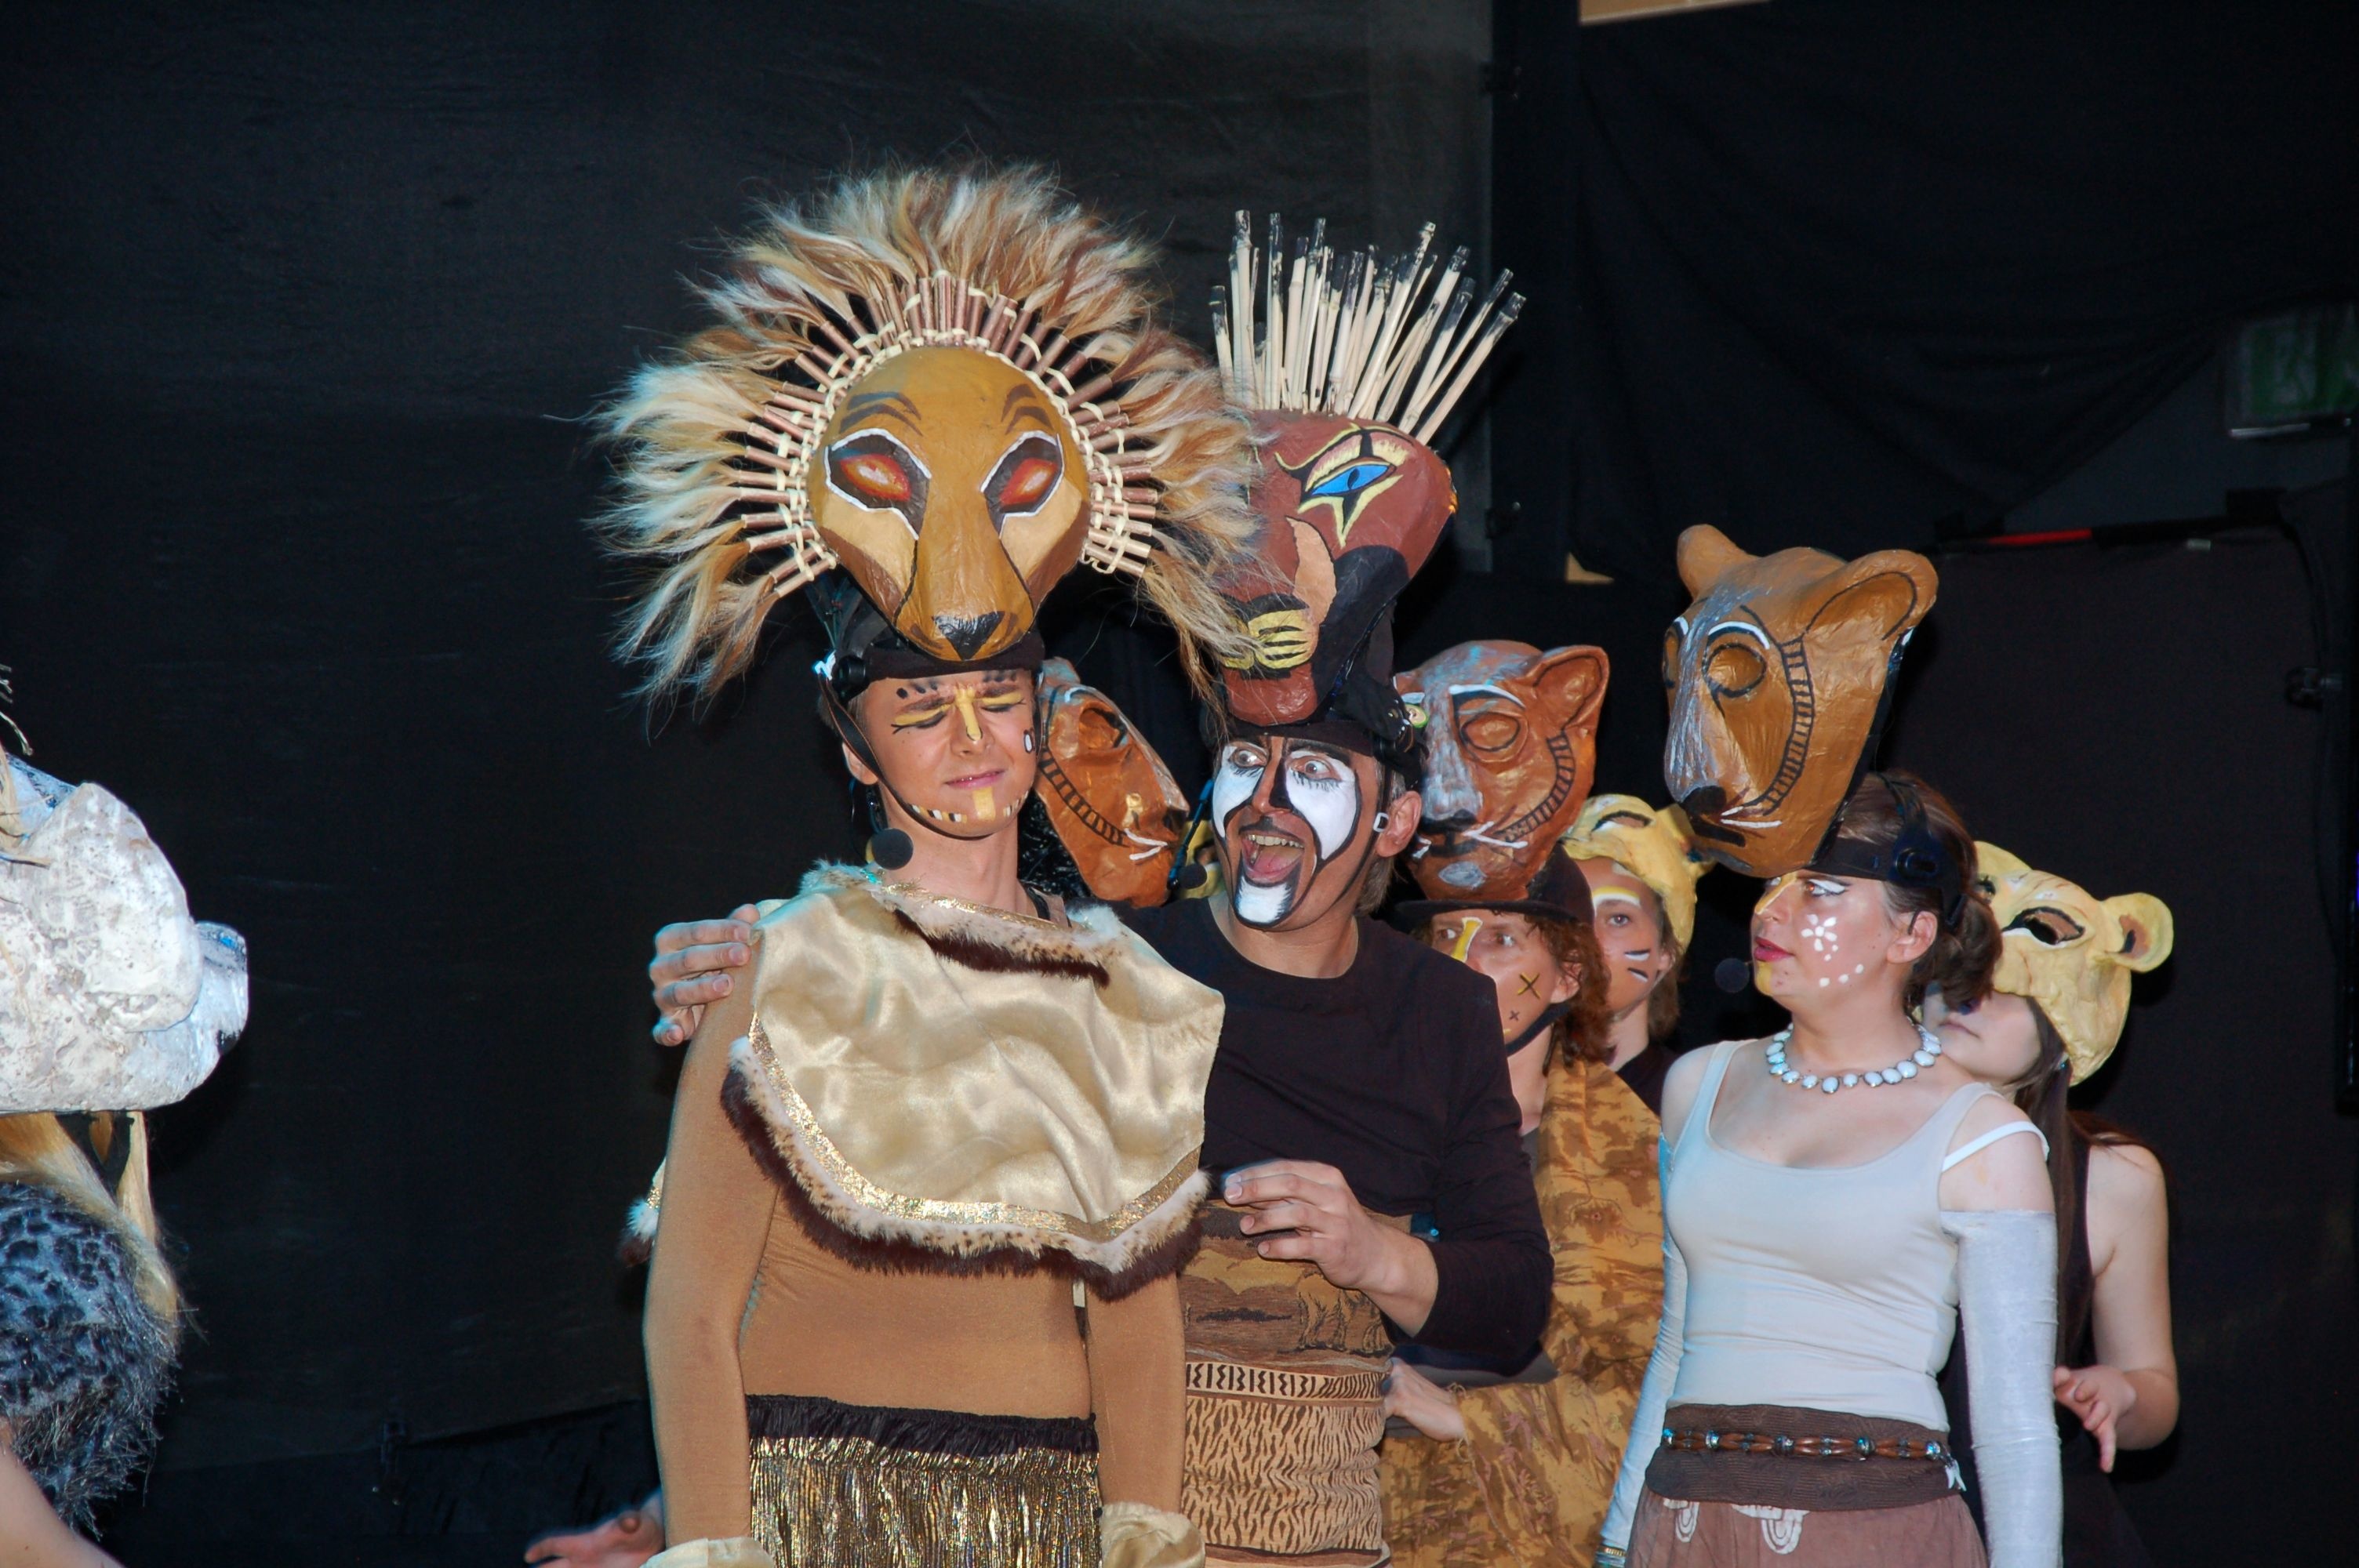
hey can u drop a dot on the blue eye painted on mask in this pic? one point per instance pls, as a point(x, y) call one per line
point(1348, 481)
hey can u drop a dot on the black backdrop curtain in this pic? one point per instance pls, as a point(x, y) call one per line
point(1846, 267)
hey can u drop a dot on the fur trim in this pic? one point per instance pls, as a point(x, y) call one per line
point(988, 939)
point(1158, 1244)
point(638, 1241)
point(871, 264)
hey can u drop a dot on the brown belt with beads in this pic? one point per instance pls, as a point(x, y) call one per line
point(1746, 1454)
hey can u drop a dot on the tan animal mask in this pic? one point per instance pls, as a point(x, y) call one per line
point(1777, 673)
point(1112, 801)
point(1510, 745)
point(953, 491)
point(1653, 846)
point(949, 385)
point(2071, 953)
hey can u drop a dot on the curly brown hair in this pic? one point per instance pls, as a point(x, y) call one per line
point(1586, 1030)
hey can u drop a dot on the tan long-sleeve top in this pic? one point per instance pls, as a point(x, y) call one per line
point(751, 1293)
point(1531, 1480)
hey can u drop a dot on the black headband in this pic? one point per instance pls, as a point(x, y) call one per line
point(1915, 857)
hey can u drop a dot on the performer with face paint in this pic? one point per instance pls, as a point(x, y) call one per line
point(1838, 1201)
point(1358, 1085)
point(1642, 866)
point(1514, 1462)
point(2059, 998)
point(933, 1165)
point(1359, 1092)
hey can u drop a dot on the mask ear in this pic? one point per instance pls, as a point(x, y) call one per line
point(1574, 680)
point(2146, 929)
point(1704, 554)
point(1891, 589)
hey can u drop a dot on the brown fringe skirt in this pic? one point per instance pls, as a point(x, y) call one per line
point(839, 1485)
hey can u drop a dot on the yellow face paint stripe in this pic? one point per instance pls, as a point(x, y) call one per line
point(964, 697)
point(1465, 938)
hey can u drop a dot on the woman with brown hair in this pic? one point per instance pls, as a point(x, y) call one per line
point(1514, 1463)
point(2059, 998)
point(1839, 1200)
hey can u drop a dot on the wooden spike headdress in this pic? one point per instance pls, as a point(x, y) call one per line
point(1352, 364)
point(946, 387)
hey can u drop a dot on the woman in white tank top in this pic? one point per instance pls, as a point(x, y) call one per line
point(1838, 1201)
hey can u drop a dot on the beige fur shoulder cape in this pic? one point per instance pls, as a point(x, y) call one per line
point(953, 1085)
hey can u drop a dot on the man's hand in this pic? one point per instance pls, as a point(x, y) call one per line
point(2100, 1396)
point(1328, 1227)
point(1423, 1403)
point(625, 1540)
point(691, 969)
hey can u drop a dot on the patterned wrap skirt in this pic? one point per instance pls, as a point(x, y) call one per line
point(839, 1485)
point(1763, 1510)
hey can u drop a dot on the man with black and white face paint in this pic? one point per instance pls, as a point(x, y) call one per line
point(1294, 824)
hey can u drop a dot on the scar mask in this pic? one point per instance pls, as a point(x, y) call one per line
point(1352, 363)
point(2071, 953)
point(1113, 803)
point(1510, 745)
point(1348, 511)
point(1776, 675)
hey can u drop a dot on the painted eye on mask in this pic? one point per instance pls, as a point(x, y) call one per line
point(1734, 669)
point(1023, 479)
point(1347, 483)
point(2050, 927)
point(872, 469)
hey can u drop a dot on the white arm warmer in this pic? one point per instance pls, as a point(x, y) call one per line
point(2007, 1309)
point(1655, 1393)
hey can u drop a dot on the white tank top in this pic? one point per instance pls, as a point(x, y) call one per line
point(1826, 1288)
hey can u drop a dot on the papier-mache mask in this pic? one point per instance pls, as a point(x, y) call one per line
point(2071, 952)
point(1654, 846)
point(1358, 360)
point(1114, 806)
point(951, 387)
point(1510, 746)
point(1777, 673)
point(110, 997)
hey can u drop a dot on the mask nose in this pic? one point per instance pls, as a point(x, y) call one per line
point(966, 633)
point(1452, 797)
point(1704, 800)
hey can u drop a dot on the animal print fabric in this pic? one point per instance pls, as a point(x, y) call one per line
point(83, 1362)
point(1284, 1407)
point(1530, 1483)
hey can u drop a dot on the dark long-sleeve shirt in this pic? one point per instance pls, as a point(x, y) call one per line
point(1393, 1074)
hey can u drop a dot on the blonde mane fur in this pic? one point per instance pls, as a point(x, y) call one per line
point(1004, 262)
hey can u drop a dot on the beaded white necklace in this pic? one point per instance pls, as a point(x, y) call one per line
point(1905, 1067)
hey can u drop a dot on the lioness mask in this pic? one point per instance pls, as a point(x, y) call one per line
point(1510, 746)
point(1776, 675)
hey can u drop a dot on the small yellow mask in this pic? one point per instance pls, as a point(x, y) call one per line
point(2070, 953)
point(1655, 847)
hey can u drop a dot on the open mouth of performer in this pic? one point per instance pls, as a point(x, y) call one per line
point(1291, 814)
